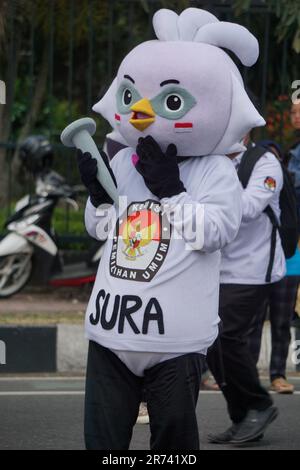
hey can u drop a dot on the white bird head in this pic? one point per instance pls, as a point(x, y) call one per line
point(183, 88)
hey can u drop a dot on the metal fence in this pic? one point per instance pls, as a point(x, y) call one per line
point(78, 71)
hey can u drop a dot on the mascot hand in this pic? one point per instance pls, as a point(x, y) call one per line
point(88, 172)
point(159, 170)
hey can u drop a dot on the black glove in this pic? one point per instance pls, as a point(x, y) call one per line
point(88, 172)
point(160, 171)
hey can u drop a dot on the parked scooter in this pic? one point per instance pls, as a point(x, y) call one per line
point(29, 252)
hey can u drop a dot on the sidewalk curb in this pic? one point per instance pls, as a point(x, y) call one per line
point(71, 348)
point(28, 349)
point(63, 348)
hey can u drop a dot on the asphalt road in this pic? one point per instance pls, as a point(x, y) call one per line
point(47, 413)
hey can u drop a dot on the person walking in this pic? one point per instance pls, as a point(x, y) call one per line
point(280, 308)
point(245, 282)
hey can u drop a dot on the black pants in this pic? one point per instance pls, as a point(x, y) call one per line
point(243, 391)
point(113, 395)
point(281, 302)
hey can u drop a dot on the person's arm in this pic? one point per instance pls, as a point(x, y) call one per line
point(99, 211)
point(294, 169)
point(213, 220)
point(99, 221)
point(265, 181)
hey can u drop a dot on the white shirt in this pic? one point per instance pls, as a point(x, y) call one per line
point(246, 259)
point(152, 294)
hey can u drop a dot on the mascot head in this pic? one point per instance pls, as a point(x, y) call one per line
point(183, 88)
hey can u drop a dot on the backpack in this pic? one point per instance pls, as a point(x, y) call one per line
point(288, 224)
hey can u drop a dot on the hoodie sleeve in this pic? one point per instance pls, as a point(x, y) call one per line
point(98, 222)
point(211, 220)
point(266, 180)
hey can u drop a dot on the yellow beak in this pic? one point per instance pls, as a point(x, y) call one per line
point(143, 114)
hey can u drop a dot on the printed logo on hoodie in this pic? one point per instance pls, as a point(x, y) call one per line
point(141, 242)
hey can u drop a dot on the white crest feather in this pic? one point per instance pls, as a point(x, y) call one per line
point(198, 25)
point(191, 20)
point(165, 25)
point(232, 36)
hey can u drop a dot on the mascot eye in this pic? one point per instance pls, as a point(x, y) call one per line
point(174, 103)
point(127, 97)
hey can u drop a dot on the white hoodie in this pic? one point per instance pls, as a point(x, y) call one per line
point(155, 293)
point(246, 259)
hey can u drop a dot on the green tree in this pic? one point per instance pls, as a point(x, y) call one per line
point(16, 20)
point(80, 41)
point(288, 14)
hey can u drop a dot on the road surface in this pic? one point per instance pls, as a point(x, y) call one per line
point(47, 413)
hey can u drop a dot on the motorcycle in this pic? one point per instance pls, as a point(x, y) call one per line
point(29, 252)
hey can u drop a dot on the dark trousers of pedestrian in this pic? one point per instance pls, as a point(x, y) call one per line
point(235, 364)
point(281, 307)
point(114, 393)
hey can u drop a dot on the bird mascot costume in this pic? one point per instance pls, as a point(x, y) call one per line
point(179, 105)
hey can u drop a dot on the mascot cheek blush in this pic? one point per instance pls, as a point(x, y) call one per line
point(180, 106)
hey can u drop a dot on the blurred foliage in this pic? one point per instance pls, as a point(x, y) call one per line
point(89, 36)
point(76, 221)
point(93, 37)
point(278, 121)
point(3, 216)
point(85, 41)
point(288, 14)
